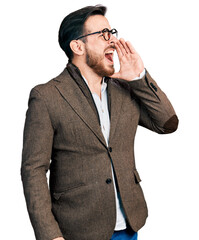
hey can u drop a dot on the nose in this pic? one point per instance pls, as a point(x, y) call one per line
point(112, 39)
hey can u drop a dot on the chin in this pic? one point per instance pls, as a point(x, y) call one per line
point(110, 71)
point(104, 70)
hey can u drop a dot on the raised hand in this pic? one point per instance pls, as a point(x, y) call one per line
point(131, 64)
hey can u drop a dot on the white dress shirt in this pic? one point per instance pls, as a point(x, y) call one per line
point(102, 108)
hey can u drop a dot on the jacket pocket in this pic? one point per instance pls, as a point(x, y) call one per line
point(137, 176)
point(57, 195)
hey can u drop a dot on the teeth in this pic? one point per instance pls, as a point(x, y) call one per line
point(109, 52)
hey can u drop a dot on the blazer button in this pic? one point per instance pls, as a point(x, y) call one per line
point(153, 86)
point(110, 149)
point(108, 180)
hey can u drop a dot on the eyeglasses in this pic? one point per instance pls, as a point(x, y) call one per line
point(106, 33)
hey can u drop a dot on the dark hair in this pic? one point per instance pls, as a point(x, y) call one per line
point(73, 26)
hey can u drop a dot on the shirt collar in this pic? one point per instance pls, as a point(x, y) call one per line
point(103, 84)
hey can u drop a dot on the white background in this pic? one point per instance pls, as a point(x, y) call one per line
point(165, 33)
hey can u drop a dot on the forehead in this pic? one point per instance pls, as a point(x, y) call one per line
point(96, 23)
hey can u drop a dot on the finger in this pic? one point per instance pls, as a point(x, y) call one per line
point(124, 45)
point(119, 52)
point(123, 51)
point(130, 47)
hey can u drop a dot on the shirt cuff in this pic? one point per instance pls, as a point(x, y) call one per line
point(142, 74)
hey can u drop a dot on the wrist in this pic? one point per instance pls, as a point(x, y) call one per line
point(141, 75)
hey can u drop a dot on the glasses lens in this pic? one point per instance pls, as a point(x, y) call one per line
point(114, 31)
point(107, 33)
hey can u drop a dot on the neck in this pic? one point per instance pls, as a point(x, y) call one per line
point(93, 79)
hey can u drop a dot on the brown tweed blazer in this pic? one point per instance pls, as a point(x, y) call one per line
point(62, 133)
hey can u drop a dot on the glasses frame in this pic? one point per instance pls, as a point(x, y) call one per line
point(112, 31)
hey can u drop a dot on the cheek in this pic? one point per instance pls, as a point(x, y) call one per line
point(98, 47)
point(98, 55)
point(99, 51)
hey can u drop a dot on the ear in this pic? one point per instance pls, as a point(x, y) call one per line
point(77, 47)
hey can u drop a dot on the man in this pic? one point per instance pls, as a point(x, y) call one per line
point(85, 121)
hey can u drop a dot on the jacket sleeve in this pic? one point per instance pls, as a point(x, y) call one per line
point(36, 155)
point(156, 111)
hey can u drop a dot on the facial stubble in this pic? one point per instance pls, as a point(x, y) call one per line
point(96, 63)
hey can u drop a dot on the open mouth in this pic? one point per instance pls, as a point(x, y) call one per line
point(109, 56)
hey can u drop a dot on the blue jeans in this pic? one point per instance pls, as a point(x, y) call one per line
point(126, 234)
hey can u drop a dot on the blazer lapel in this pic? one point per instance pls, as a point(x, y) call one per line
point(115, 98)
point(72, 93)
